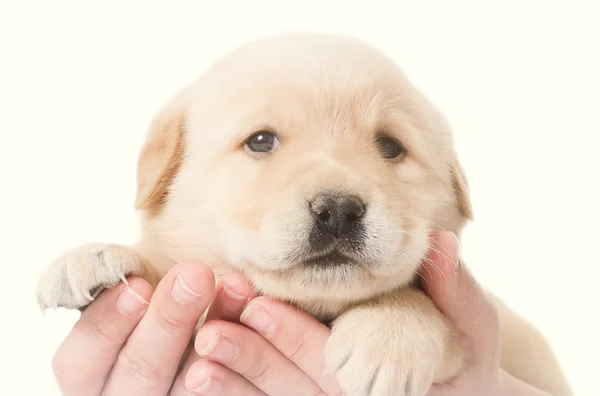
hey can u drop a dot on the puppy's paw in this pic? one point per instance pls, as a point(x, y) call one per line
point(379, 352)
point(77, 277)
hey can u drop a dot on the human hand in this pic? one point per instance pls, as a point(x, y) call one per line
point(125, 345)
point(122, 345)
point(284, 353)
point(458, 296)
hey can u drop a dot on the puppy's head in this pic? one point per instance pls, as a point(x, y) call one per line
point(309, 163)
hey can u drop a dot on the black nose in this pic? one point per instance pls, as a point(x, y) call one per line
point(337, 214)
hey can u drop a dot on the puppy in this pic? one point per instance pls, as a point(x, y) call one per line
point(310, 164)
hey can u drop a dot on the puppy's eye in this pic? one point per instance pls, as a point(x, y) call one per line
point(262, 142)
point(390, 148)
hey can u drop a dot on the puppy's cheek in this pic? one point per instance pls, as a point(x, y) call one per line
point(384, 232)
point(396, 245)
point(402, 267)
point(284, 237)
point(239, 245)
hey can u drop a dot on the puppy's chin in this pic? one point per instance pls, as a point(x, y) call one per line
point(389, 259)
point(340, 282)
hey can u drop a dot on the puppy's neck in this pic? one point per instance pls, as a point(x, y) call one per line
point(148, 247)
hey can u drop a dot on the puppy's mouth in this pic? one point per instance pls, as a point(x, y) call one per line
point(334, 258)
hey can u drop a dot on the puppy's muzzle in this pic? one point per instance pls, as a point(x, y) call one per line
point(338, 232)
point(337, 215)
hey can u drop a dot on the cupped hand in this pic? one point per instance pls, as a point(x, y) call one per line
point(278, 351)
point(131, 339)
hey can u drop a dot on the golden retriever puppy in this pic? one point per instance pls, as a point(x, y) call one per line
point(310, 164)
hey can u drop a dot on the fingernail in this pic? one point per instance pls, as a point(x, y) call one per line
point(233, 294)
point(457, 257)
point(446, 238)
point(182, 292)
point(230, 303)
point(457, 264)
point(212, 387)
point(220, 348)
point(259, 319)
point(129, 302)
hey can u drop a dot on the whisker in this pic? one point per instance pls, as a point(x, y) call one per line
point(443, 276)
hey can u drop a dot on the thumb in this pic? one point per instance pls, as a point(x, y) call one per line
point(460, 298)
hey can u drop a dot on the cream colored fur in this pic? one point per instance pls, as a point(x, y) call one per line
point(202, 196)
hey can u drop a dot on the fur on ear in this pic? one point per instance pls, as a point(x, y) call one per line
point(161, 156)
point(461, 190)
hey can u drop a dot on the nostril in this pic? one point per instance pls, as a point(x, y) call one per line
point(324, 216)
point(352, 217)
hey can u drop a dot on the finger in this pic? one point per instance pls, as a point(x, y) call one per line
point(148, 362)
point(298, 336)
point(211, 379)
point(179, 385)
point(456, 293)
point(439, 268)
point(231, 296)
point(87, 354)
point(248, 354)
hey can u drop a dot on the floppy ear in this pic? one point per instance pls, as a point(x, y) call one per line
point(461, 190)
point(161, 156)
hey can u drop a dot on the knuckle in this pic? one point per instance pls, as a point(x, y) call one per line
point(299, 348)
point(94, 330)
point(136, 366)
point(65, 372)
point(171, 323)
point(258, 371)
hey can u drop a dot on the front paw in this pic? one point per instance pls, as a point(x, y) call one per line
point(77, 277)
point(379, 352)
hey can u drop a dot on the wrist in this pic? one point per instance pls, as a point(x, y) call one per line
point(512, 386)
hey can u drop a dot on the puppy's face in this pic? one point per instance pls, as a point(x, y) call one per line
point(307, 162)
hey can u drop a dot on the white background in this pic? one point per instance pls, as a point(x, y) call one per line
point(518, 80)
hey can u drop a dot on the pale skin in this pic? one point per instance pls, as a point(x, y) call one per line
point(131, 338)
